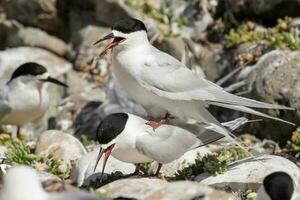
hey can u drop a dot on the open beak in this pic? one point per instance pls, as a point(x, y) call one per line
point(114, 42)
point(55, 81)
point(106, 153)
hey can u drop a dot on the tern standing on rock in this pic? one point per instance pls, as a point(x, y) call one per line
point(128, 138)
point(162, 84)
point(24, 97)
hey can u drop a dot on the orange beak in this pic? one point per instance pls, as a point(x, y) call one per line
point(115, 42)
point(106, 153)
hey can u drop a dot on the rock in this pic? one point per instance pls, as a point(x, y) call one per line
point(109, 11)
point(83, 172)
point(12, 58)
point(25, 180)
point(264, 10)
point(87, 121)
point(249, 173)
point(38, 13)
point(275, 79)
point(37, 38)
point(60, 145)
point(147, 188)
point(184, 161)
point(83, 41)
point(82, 89)
point(173, 46)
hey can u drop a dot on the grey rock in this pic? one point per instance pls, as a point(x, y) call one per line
point(12, 58)
point(173, 46)
point(83, 171)
point(39, 13)
point(147, 188)
point(266, 9)
point(37, 38)
point(82, 89)
point(275, 79)
point(60, 145)
point(87, 121)
point(249, 173)
point(109, 11)
point(83, 41)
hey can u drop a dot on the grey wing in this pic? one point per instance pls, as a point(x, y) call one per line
point(166, 76)
point(167, 143)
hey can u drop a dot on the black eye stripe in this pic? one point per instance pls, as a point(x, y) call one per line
point(129, 25)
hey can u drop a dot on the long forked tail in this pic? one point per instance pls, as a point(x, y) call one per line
point(250, 111)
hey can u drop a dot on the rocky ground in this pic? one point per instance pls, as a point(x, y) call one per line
point(251, 48)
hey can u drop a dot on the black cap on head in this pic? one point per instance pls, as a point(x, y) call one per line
point(111, 127)
point(279, 186)
point(129, 25)
point(29, 68)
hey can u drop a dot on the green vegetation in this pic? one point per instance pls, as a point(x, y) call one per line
point(162, 14)
point(87, 142)
point(107, 178)
point(145, 167)
point(279, 36)
point(18, 153)
point(212, 163)
point(293, 145)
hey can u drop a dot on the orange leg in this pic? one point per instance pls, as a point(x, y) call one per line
point(155, 124)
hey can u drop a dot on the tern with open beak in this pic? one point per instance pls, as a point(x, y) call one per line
point(162, 84)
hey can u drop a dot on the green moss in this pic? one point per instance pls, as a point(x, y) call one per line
point(145, 167)
point(162, 14)
point(212, 163)
point(18, 153)
point(279, 36)
point(293, 145)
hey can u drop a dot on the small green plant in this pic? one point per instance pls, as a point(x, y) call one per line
point(293, 145)
point(18, 153)
point(161, 14)
point(279, 36)
point(145, 167)
point(212, 163)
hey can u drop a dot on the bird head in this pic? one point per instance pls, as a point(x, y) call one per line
point(32, 72)
point(126, 33)
point(107, 135)
point(276, 186)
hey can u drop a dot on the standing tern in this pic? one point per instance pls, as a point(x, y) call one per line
point(162, 84)
point(278, 186)
point(24, 97)
point(128, 138)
